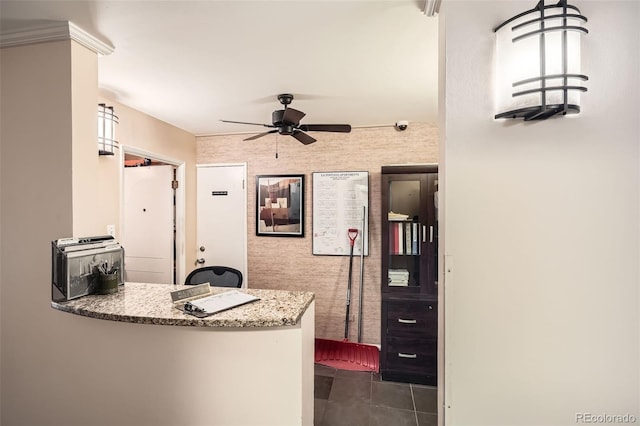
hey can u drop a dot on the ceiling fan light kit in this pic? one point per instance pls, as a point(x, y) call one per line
point(286, 122)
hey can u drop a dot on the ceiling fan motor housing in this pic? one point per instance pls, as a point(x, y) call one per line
point(285, 98)
point(286, 129)
point(276, 117)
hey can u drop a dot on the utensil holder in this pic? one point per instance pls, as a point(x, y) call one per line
point(108, 283)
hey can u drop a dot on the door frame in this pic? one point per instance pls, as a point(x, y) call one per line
point(245, 279)
point(180, 207)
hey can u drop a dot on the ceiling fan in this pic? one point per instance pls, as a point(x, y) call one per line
point(287, 122)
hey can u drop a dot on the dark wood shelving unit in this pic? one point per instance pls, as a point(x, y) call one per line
point(409, 332)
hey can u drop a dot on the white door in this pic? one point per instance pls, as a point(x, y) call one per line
point(222, 217)
point(148, 225)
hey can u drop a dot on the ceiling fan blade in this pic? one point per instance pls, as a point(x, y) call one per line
point(341, 128)
point(292, 116)
point(244, 122)
point(259, 135)
point(303, 137)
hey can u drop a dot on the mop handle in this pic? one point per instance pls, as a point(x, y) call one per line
point(364, 214)
point(353, 234)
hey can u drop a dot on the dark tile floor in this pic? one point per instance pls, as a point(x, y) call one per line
point(357, 398)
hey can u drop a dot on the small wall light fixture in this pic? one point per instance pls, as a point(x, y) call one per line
point(107, 121)
point(538, 62)
point(431, 7)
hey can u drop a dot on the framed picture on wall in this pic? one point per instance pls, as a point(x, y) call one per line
point(280, 205)
point(340, 203)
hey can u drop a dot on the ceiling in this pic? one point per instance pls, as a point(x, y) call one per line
point(192, 63)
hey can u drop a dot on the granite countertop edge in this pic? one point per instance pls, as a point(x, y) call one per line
point(143, 303)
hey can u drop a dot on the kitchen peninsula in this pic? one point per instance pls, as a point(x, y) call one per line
point(145, 362)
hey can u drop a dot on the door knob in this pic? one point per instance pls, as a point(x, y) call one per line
point(200, 261)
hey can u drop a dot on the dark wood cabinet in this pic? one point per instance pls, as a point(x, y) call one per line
point(409, 274)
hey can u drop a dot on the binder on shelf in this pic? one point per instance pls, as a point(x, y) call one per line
point(407, 238)
point(392, 240)
point(404, 238)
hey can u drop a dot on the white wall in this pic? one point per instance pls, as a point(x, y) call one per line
point(541, 231)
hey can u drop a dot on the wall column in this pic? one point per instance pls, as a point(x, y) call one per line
point(48, 144)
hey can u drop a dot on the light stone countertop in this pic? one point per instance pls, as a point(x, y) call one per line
point(151, 304)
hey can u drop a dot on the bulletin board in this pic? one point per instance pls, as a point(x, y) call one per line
point(340, 202)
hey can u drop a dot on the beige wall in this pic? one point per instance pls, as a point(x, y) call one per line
point(143, 132)
point(55, 185)
point(288, 263)
point(542, 226)
point(88, 208)
point(37, 207)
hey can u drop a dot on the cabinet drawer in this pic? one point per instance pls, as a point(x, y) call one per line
point(412, 318)
point(412, 355)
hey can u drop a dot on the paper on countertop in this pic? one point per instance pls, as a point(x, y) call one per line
point(223, 301)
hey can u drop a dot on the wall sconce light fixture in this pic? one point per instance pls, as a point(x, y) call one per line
point(431, 7)
point(107, 121)
point(538, 62)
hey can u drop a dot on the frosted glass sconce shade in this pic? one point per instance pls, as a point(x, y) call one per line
point(538, 71)
point(107, 121)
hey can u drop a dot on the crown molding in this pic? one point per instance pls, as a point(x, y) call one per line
point(55, 31)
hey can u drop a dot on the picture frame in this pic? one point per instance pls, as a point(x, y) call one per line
point(280, 205)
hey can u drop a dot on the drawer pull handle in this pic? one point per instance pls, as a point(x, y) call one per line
point(407, 321)
point(412, 356)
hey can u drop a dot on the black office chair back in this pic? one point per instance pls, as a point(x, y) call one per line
point(217, 276)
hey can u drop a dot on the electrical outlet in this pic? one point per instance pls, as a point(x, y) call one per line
point(111, 230)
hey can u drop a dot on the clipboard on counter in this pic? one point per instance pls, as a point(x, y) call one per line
point(210, 305)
